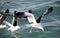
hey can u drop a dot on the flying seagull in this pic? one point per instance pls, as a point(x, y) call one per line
point(36, 23)
point(3, 17)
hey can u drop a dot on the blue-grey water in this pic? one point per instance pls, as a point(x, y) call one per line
point(50, 22)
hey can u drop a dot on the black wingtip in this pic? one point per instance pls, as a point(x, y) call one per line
point(49, 10)
point(45, 13)
point(30, 11)
point(15, 19)
point(7, 10)
point(15, 12)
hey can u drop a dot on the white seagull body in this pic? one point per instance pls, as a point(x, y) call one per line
point(33, 22)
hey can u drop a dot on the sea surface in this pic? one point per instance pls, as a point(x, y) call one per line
point(51, 22)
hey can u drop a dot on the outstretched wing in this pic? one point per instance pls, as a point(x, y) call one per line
point(49, 10)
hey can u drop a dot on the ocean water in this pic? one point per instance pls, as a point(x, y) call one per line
point(50, 22)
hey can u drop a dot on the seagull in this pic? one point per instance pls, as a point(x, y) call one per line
point(13, 26)
point(36, 23)
point(3, 17)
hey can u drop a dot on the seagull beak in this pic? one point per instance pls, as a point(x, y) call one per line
point(43, 30)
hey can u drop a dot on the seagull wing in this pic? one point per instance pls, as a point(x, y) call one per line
point(49, 10)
